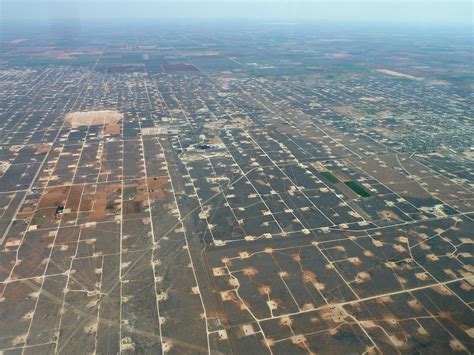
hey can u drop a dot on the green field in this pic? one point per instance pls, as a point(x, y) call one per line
point(330, 177)
point(356, 188)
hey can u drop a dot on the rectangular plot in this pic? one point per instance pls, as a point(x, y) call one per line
point(46, 317)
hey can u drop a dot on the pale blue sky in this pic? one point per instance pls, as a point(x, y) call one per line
point(458, 12)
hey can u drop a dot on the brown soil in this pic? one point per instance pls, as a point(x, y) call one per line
point(102, 199)
point(54, 196)
point(96, 202)
point(112, 128)
point(74, 198)
point(27, 213)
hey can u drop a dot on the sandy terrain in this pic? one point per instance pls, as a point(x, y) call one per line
point(91, 118)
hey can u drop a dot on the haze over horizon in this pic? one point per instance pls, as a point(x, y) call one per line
point(421, 12)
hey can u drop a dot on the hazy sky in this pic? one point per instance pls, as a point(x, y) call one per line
point(458, 12)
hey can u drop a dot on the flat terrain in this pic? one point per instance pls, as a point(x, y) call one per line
point(223, 190)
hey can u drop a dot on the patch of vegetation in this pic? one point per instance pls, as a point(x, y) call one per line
point(330, 177)
point(38, 219)
point(357, 189)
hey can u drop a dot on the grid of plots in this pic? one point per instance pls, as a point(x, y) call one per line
point(168, 193)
